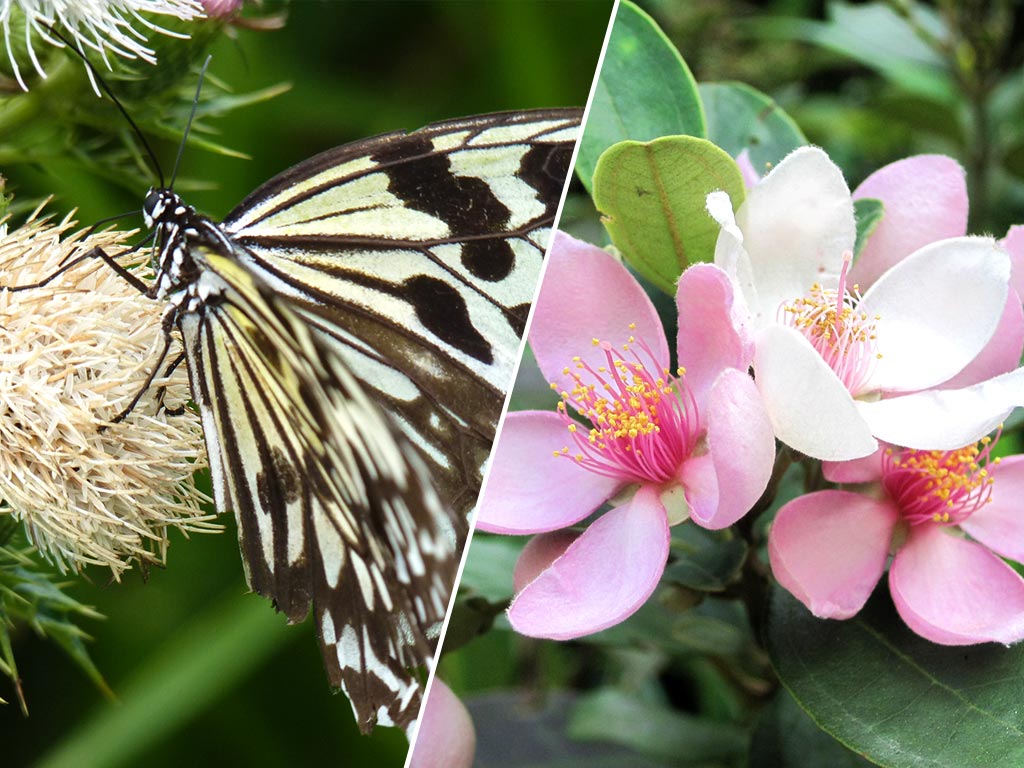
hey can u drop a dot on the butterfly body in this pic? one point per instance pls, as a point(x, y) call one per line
point(350, 331)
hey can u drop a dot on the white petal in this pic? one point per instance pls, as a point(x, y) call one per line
point(730, 255)
point(945, 419)
point(938, 309)
point(808, 405)
point(796, 225)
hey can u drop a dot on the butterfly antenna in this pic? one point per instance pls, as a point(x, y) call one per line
point(96, 78)
point(191, 117)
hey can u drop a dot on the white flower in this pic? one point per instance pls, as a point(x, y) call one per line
point(72, 355)
point(104, 26)
point(826, 358)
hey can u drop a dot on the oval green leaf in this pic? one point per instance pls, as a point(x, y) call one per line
point(645, 90)
point(740, 117)
point(897, 698)
point(653, 196)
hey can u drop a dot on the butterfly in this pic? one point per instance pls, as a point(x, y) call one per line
point(350, 332)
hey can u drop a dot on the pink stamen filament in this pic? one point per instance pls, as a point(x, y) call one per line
point(845, 338)
point(643, 426)
point(941, 487)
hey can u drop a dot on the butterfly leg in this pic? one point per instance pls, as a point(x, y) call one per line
point(163, 390)
point(94, 253)
point(167, 323)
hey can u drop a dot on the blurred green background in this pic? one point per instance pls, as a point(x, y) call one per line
point(204, 673)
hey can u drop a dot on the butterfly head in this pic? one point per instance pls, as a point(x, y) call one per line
point(160, 205)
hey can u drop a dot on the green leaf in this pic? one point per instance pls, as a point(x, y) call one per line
point(785, 737)
point(897, 698)
point(879, 37)
point(868, 213)
point(489, 566)
point(613, 716)
point(741, 117)
point(31, 595)
point(705, 560)
point(645, 91)
point(653, 196)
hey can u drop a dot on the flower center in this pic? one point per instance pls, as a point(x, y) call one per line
point(644, 421)
point(942, 487)
point(844, 337)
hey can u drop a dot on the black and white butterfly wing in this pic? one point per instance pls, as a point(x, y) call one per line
point(334, 505)
point(416, 256)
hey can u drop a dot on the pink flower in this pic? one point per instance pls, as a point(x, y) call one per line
point(826, 356)
point(665, 445)
point(830, 548)
point(446, 737)
point(221, 9)
point(925, 200)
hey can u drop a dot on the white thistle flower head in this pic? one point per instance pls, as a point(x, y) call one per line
point(104, 26)
point(73, 354)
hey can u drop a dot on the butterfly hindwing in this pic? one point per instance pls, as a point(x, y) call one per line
point(334, 506)
point(417, 256)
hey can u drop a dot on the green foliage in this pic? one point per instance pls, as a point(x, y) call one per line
point(894, 696)
point(650, 729)
point(33, 596)
point(645, 90)
point(705, 560)
point(786, 737)
point(879, 36)
point(868, 213)
point(653, 196)
point(742, 118)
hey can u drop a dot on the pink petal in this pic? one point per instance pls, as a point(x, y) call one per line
point(866, 469)
point(1003, 351)
point(829, 549)
point(446, 735)
point(710, 338)
point(751, 177)
point(809, 407)
point(723, 484)
point(586, 294)
point(956, 592)
point(603, 577)
point(529, 490)
point(999, 525)
point(925, 200)
point(1014, 245)
point(538, 555)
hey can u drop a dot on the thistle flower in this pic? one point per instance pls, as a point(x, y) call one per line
point(103, 26)
point(73, 354)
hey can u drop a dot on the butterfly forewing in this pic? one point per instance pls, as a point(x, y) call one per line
point(417, 255)
point(351, 331)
